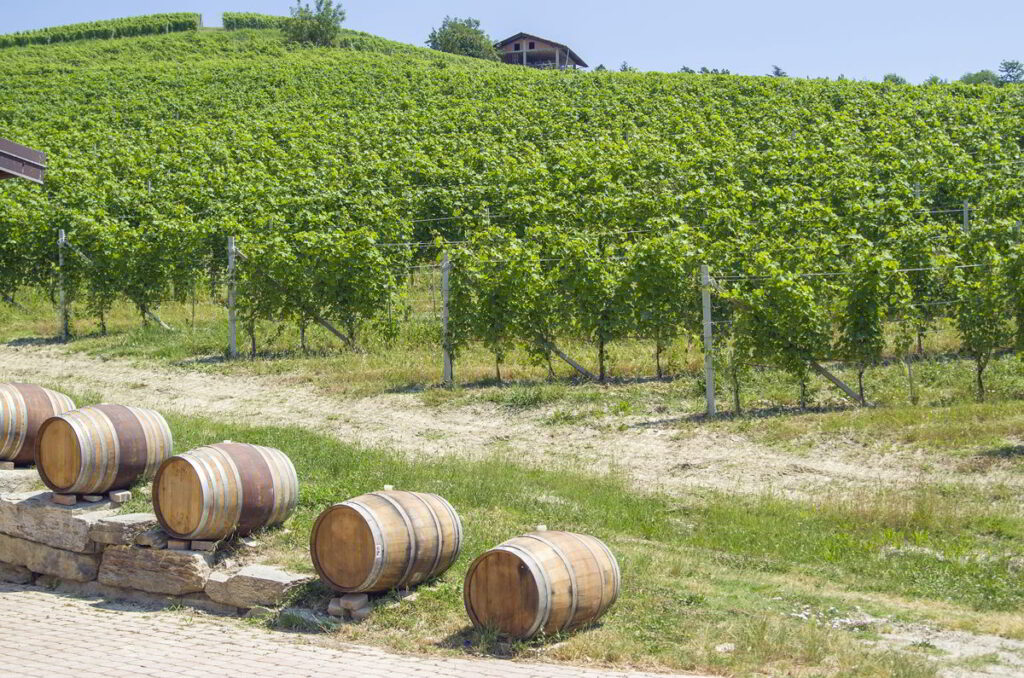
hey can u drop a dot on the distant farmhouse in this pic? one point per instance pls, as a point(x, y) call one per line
point(529, 50)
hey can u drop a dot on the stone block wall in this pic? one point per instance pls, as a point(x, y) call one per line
point(92, 549)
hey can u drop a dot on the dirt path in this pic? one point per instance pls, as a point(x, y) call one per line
point(657, 455)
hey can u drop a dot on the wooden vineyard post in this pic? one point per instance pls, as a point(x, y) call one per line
point(232, 320)
point(709, 363)
point(967, 216)
point(448, 372)
point(64, 314)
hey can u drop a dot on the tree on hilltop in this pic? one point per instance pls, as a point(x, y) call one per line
point(895, 79)
point(462, 36)
point(318, 25)
point(777, 72)
point(1011, 72)
point(985, 77)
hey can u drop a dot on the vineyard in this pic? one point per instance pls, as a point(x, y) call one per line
point(839, 221)
point(104, 30)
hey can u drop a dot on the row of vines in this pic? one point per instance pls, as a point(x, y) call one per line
point(102, 30)
point(571, 204)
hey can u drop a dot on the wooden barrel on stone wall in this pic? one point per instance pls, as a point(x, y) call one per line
point(544, 581)
point(229, 488)
point(23, 409)
point(385, 540)
point(101, 448)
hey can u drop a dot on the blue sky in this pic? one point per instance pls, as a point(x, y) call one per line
point(862, 40)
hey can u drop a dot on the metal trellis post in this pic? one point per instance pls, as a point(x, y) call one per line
point(709, 363)
point(64, 313)
point(232, 320)
point(967, 216)
point(448, 373)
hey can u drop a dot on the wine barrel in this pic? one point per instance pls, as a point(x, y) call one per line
point(229, 488)
point(541, 582)
point(100, 448)
point(385, 540)
point(23, 409)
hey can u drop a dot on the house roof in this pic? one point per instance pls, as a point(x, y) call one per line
point(523, 36)
point(20, 162)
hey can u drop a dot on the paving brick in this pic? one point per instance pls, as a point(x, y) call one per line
point(128, 641)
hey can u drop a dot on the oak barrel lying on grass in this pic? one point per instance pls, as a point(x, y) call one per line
point(385, 540)
point(229, 488)
point(101, 448)
point(541, 582)
point(23, 409)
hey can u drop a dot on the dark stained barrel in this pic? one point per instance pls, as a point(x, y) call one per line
point(101, 448)
point(23, 409)
point(385, 540)
point(229, 488)
point(542, 582)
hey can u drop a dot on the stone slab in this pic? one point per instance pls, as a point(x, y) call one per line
point(253, 586)
point(155, 538)
point(362, 614)
point(120, 496)
point(43, 559)
point(353, 601)
point(19, 480)
point(123, 529)
point(15, 574)
point(34, 517)
point(173, 573)
point(96, 589)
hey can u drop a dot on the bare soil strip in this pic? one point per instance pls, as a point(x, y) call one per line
point(655, 455)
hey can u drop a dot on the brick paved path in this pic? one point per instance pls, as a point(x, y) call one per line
point(47, 634)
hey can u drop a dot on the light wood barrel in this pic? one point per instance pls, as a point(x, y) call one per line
point(23, 409)
point(385, 540)
point(229, 488)
point(541, 582)
point(101, 448)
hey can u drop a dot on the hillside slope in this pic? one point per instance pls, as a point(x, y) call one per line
point(161, 147)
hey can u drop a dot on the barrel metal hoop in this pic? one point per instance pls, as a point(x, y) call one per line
point(380, 551)
point(100, 476)
point(437, 529)
point(600, 570)
point(205, 514)
point(540, 576)
point(146, 421)
point(615, 570)
point(572, 576)
point(227, 465)
point(85, 441)
point(12, 396)
point(458, 526)
point(410, 528)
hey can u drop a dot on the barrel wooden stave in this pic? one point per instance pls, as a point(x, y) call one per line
point(229, 488)
point(101, 448)
point(23, 409)
point(546, 582)
point(385, 540)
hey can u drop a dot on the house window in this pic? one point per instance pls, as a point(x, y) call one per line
point(533, 45)
point(516, 47)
